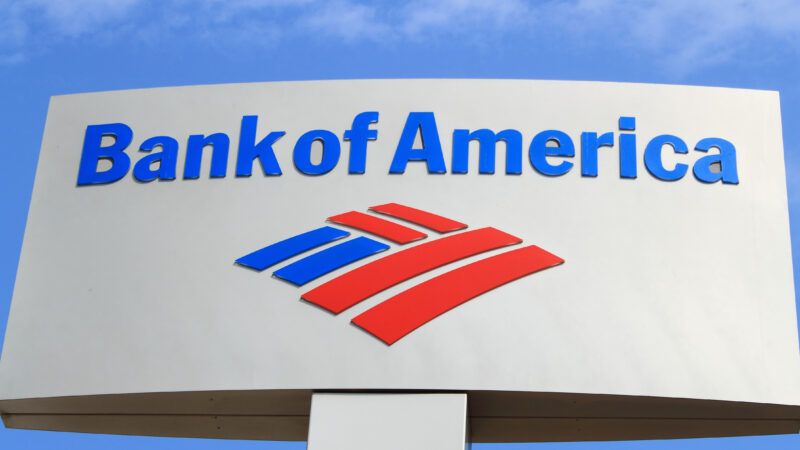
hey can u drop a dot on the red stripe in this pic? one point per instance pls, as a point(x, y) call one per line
point(419, 217)
point(379, 227)
point(363, 282)
point(405, 312)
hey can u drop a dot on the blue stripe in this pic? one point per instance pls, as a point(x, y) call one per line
point(324, 261)
point(285, 249)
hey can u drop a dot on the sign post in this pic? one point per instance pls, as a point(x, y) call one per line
point(388, 422)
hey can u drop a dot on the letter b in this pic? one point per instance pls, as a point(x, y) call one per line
point(93, 152)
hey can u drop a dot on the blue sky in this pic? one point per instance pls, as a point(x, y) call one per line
point(50, 47)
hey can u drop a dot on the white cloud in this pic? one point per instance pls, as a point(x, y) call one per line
point(76, 17)
point(463, 16)
point(13, 34)
point(13, 29)
point(686, 35)
point(30, 25)
point(347, 20)
point(680, 35)
point(245, 12)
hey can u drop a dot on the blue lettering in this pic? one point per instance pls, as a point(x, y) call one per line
point(539, 151)
point(431, 151)
point(104, 159)
point(725, 160)
point(487, 144)
point(330, 152)
point(167, 159)
point(219, 143)
point(358, 135)
point(627, 148)
point(93, 152)
point(249, 151)
point(655, 163)
point(590, 143)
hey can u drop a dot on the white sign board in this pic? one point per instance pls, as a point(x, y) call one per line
point(604, 255)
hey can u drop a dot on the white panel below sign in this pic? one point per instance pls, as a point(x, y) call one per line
point(388, 421)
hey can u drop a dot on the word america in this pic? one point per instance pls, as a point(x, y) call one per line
point(550, 152)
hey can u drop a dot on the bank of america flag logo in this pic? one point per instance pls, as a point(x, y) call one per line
point(403, 313)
